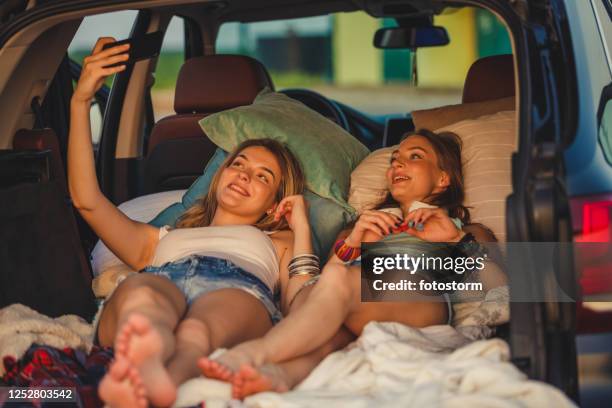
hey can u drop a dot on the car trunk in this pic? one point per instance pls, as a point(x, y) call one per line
point(542, 334)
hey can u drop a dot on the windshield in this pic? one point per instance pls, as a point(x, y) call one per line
point(334, 55)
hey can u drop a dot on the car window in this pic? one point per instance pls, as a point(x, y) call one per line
point(349, 69)
point(171, 57)
point(118, 25)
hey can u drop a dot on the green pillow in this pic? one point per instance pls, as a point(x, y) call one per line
point(326, 219)
point(328, 154)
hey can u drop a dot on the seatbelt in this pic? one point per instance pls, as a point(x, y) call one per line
point(39, 119)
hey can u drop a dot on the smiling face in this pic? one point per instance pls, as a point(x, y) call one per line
point(249, 184)
point(414, 173)
point(253, 179)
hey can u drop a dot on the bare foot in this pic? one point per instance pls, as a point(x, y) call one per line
point(212, 369)
point(249, 380)
point(140, 342)
point(122, 387)
point(225, 366)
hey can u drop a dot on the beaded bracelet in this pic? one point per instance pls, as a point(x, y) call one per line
point(344, 252)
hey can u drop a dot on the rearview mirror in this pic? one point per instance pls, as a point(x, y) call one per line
point(411, 37)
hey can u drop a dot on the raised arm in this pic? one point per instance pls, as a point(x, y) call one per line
point(133, 242)
point(297, 242)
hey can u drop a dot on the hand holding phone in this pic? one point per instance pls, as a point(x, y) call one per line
point(98, 66)
point(141, 47)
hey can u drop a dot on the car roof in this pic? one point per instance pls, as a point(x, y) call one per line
point(246, 10)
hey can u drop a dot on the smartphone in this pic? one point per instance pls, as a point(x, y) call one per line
point(141, 47)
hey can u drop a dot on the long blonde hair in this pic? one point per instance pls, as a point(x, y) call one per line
point(292, 182)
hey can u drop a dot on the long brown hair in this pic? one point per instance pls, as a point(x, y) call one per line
point(292, 182)
point(447, 146)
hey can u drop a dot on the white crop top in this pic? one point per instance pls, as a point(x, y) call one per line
point(245, 245)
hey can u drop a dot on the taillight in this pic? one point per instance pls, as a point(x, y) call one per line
point(592, 222)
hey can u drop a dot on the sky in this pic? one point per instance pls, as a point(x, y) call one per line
point(119, 24)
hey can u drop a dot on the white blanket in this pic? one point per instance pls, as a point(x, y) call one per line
point(20, 327)
point(393, 365)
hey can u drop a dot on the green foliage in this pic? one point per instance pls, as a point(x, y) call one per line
point(168, 66)
point(296, 79)
point(78, 56)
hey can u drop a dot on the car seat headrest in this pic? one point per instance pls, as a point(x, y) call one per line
point(489, 78)
point(217, 82)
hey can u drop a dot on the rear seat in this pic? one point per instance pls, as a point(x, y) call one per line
point(177, 150)
point(489, 78)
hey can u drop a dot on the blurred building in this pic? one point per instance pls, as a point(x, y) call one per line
point(474, 33)
point(338, 49)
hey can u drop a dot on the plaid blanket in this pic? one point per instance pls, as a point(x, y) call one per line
point(44, 366)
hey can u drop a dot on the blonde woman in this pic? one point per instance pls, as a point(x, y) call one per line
point(205, 284)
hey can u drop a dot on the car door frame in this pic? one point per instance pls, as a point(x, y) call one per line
point(543, 334)
point(538, 208)
point(127, 178)
point(106, 164)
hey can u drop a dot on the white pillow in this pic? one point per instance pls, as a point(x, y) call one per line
point(368, 183)
point(143, 209)
point(488, 144)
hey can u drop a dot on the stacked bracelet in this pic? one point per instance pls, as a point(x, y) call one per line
point(346, 253)
point(307, 264)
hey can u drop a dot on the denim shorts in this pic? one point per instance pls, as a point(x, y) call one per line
point(196, 275)
point(447, 299)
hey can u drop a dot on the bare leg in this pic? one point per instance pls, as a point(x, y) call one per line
point(334, 300)
point(221, 318)
point(330, 297)
point(139, 320)
point(286, 375)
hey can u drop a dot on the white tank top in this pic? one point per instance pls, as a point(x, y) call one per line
point(245, 245)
